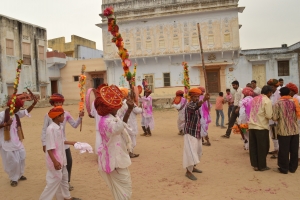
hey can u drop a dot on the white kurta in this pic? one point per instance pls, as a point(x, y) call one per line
point(97, 120)
point(192, 152)
point(68, 118)
point(147, 114)
point(132, 120)
point(57, 180)
point(13, 152)
point(181, 114)
point(113, 157)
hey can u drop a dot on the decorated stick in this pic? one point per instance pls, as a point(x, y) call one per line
point(113, 28)
point(186, 80)
point(81, 85)
point(202, 56)
point(16, 84)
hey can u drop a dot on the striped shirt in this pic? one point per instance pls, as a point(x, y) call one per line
point(192, 120)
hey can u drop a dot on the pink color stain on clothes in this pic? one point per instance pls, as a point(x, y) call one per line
point(103, 129)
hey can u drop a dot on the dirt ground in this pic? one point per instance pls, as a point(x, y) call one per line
point(158, 172)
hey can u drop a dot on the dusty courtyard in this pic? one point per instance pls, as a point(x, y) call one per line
point(157, 173)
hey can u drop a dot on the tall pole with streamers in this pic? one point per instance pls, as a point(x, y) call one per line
point(81, 85)
point(16, 84)
point(186, 80)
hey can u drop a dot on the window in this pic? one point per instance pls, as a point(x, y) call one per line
point(26, 53)
point(211, 39)
point(227, 37)
point(284, 68)
point(41, 53)
point(76, 78)
point(167, 79)
point(9, 47)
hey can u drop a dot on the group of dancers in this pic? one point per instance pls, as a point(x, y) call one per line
point(258, 114)
point(116, 130)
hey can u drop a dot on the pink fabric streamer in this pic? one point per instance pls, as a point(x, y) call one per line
point(205, 111)
point(247, 104)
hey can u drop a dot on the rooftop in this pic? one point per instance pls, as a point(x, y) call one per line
point(11, 18)
point(283, 49)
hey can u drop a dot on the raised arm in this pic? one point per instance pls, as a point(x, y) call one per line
point(71, 121)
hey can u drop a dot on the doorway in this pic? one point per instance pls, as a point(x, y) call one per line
point(54, 88)
point(213, 79)
point(97, 82)
point(259, 74)
point(149, 78)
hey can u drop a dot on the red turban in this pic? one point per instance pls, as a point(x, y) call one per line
point(179, 93)
point(292, 87)
point(247, 91)
point(109, 99)
point(55, 112)
point(195, 92)
point(56, 98)
point(19, 103)
point(273, 82)
point(202, 89)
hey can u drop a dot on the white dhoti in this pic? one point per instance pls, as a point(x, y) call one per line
point(133, 140)
point(275, 142)
point(57, 185)
point(14, 163)
point(148, 122)
point(119, 182)
point(192, 152)
point(97, 142)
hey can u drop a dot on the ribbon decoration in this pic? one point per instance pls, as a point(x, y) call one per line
point(186, 80)
point(113, 28)
point(16, 84)
point(81, 85)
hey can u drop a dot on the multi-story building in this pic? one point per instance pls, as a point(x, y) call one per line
point(22, 40)
point(160, 35)
point(79, 47)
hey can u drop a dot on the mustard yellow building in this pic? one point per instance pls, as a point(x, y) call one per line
point(70, 48)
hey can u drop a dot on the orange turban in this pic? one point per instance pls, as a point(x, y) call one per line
point(124, 91)
point(56, 98)
point(195, 92)
point(273, 82)
point(19, 103)
point(109, 99)
point(55, 112)
point(202, 89)
point(247, 91)
point(292, 87)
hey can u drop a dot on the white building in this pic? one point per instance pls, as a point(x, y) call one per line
point(21, 40)
point(265, 64)
point(160, 35)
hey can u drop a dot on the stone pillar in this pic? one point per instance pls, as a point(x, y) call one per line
point(223, 79)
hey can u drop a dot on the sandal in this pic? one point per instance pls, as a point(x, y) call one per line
point(197, 170)
point(13, 183)
point(132, 155)
point(255, 168)
point(148, 135)
point(144, 134)
point(273, 156)
point(265, 169)
point(225, 136)
point(206, 144)
point(22, 178)
point(191, 176)
point(71, 188)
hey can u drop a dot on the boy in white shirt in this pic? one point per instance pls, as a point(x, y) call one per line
point(57, 174)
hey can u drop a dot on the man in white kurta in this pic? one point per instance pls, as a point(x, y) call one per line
point(147, 114)
point(12, 150)
point(132, 123)
point(274, 98)
point(179, 103)
point(113, 158)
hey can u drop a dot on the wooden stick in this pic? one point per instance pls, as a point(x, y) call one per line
point(203, 64)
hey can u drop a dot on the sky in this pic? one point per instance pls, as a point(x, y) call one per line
point(266, 23)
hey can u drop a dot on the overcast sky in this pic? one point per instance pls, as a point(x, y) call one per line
point(266, 23)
